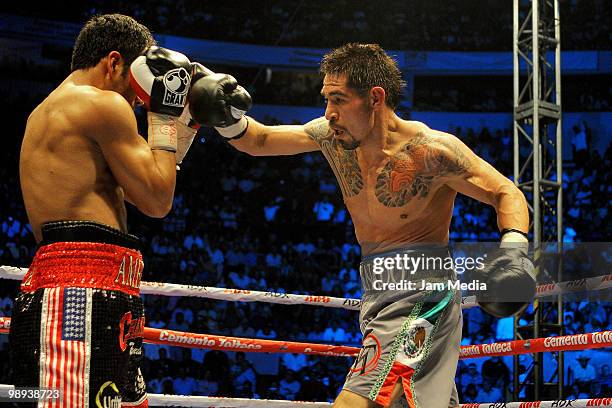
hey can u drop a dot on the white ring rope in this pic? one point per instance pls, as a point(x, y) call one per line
point(164, 400)
point(209, 292)
point(245, 295)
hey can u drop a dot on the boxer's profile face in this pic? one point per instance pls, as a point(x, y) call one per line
point(119, 77)
point(348, 112)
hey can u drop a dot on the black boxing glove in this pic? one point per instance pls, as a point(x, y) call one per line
point(510, 278)
point(217, 100)
point(161, 79)
point(199, 71)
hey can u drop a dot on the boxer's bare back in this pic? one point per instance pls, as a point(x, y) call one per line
point(64, 175)
point(81, 156)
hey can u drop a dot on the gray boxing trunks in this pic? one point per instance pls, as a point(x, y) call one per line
point(411, 324)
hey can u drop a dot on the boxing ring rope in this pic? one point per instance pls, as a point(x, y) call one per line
point(245, 295)
point(227, 343)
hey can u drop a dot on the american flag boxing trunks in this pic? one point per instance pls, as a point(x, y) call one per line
point(78, 320)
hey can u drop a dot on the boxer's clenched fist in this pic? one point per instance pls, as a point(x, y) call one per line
point(161, 78)
point(217, 100)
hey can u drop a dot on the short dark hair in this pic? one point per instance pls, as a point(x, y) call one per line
point(366, 66)
point(102, 34)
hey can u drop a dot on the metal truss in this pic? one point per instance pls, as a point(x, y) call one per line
point(538, 167)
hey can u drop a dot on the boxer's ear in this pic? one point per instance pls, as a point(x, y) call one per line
point(377, 97)
point(114, 63)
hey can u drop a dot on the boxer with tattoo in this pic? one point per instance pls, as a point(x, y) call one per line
point(399, 180)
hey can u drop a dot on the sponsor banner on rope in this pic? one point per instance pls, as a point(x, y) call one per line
point(205, 341)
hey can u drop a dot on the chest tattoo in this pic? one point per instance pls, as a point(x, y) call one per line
point(345, 166)
point(343, 162)
point(411, 172)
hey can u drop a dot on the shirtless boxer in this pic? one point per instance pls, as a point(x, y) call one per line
point(399, 180)
point(78, 320)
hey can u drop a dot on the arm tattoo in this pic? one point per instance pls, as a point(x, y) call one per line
point(411, 171)
point(343, 162)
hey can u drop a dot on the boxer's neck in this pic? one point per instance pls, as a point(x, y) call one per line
point(378, 144)
point(97, 76)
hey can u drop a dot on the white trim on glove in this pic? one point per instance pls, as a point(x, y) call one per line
point(514, 237)
point(233, 130)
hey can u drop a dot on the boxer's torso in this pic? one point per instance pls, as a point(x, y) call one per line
point(400, 200)
point(63, 173)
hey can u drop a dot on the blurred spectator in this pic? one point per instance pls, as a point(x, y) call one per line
point(289, 386)
point(178, 324)
point(334, 334)
point(605, 379)
point(243, 372)
point(470, 377)
point(207, 386)
point(184, 384)
point(246, 390)
point(488, 392)
point(243, 330)
point(580, 146)
point(505, 329)
point(155, 385)
point(266, 333)
point(495, 371)
point(583, 372)
point(576, 393)
point(163, 363)
point(168, 386)
point(323, 209)
point(470, 394)
point(294, 362)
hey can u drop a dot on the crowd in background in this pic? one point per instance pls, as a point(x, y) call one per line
point(410, 25)
point(494, 93)
point(581, 93)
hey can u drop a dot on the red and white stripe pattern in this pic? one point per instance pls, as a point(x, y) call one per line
point(65, 345)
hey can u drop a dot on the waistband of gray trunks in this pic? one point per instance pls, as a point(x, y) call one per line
point(413, 263)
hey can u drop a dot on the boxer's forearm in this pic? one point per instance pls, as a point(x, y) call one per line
point(278, 140)
point(251, 139)
point(161, 191)
point(511, 208)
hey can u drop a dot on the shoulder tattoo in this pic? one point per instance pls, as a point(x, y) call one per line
point(318, 129)
point(411, 172)
point(343, 162)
